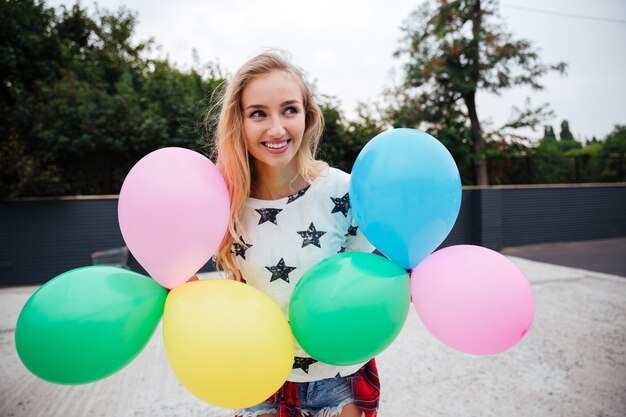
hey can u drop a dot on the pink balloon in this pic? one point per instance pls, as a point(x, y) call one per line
point(173, 211)
point(473, 299)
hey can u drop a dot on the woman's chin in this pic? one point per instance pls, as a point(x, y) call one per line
point(274, 163)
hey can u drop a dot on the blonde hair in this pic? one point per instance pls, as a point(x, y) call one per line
point(231, 152)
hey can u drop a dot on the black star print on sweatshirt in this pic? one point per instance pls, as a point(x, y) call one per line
point(239, 249)
point(303, 363)
point(297, 195)
point(268, 215)
point(280, 271)
point(341, 205)
point(311, 236)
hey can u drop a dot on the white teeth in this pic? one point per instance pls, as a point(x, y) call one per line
point(276, 145)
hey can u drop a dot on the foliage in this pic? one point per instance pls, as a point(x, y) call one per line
point(565, 134)
point(548, 133)
point(343, 140)
point(453, 49)
point(559, 161)
point(81, 103)
point(614, 151)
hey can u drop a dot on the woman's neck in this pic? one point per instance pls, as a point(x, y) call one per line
point(276, 183)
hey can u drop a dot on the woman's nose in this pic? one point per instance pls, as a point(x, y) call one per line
point(276, 129)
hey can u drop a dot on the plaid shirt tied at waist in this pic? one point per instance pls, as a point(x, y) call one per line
point(365, 389)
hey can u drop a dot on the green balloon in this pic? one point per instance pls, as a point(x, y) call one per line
point(348, 308)
point(88, 323)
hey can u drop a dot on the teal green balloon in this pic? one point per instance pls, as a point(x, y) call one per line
point(88, 323)
point(348, 308)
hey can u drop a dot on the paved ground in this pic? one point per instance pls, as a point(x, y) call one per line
point(606, 255)
point(571, 363)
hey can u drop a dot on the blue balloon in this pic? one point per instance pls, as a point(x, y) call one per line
point(405, 194)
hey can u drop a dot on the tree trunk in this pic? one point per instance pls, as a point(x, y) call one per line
point(478, 142)
point(469, 97)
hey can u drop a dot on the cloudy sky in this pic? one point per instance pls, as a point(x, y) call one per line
point(346, 46)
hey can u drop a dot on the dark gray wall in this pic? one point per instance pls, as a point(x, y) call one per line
point(541, 215)
point(467, 226)
point(40, 239)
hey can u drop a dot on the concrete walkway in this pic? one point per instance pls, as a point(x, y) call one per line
point(603, 255)
point(571, 363)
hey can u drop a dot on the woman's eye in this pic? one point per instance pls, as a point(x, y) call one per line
point(257, 113)
point(291, 110)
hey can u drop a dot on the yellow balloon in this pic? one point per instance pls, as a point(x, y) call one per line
point(228, 343)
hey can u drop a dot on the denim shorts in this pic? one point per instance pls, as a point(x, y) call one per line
point(324, 398)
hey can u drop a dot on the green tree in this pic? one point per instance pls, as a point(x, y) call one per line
point(30, 56)
point(614, 155)
point(548, 164)
point(548, 133)
point(454, 49)
point(567, 141)
point(587, 162)
point(565, 134)
point(81, 102)
point(343, 140)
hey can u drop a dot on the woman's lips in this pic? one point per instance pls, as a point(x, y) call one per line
point(276, 146)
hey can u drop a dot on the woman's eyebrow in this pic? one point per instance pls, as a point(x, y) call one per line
point(262, 106)
point(288, 102)
point(256, 106)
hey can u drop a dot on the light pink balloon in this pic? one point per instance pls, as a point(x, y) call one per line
point(173, 211)
point(473, 299)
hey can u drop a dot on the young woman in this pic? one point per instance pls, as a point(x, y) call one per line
point(288, 212)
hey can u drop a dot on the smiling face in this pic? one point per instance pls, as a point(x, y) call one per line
point(274, 120)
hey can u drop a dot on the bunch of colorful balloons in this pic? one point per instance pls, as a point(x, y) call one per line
point(228, 343)
point(405, 193)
